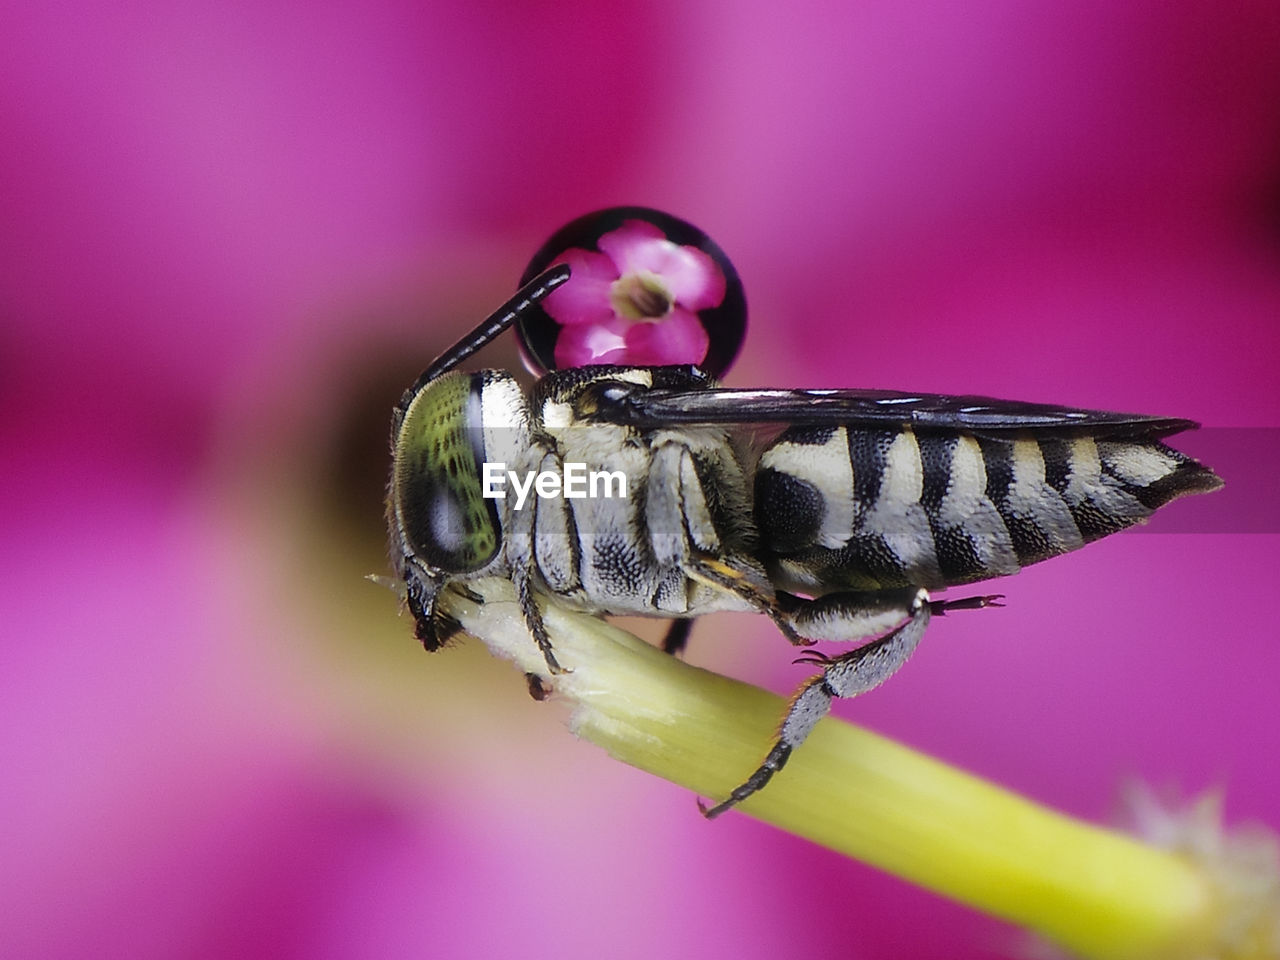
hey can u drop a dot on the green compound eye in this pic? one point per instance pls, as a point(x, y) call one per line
point(436, 490)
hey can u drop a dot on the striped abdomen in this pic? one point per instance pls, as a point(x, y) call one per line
point(840, 508)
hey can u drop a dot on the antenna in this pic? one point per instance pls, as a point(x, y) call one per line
point(495, 323)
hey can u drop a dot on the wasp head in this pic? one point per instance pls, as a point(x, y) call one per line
point(440, 523)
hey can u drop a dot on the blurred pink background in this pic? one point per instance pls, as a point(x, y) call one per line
point(232, 233)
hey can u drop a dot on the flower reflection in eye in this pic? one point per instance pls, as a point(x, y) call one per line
point(646, 290)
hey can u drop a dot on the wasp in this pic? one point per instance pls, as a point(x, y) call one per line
point(835, 513)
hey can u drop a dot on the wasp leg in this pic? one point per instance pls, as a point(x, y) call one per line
point(846, 616)
point(847, 675)
point(533, 618)
point(465, 591)
point(445, 627)
point(676, 510)
point(685, 541)
point(556, 543)
point(520, 557)
point(677, 637)
point(538, 688)
point(940, 607)
point(432, 627)
point(740, 579)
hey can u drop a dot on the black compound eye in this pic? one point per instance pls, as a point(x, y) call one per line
point(436, 494)
point(647, 290)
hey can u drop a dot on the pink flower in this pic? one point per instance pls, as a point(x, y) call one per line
point(636, 302)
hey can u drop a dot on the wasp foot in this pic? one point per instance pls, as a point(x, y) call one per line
point(538, 688)
point(677, 637)
point(941, 607)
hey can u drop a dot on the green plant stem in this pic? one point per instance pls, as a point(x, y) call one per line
point(1097, 892)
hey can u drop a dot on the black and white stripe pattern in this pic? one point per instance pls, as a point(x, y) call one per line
point(845, 508)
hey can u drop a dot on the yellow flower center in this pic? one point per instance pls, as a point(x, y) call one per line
point(640, 296)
